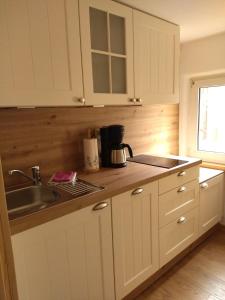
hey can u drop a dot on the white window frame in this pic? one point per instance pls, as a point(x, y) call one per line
point(192, 119)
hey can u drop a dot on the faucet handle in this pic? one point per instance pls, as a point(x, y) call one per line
point(37, 168)
point(36, 174)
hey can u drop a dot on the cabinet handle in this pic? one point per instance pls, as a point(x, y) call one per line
point(204, 185)
point(137, 191)
point(181, 220)
point(139, 100)
point(82, 100)
point(133, 100)
point(182, 173)
point(100, 205)
point(181, 189)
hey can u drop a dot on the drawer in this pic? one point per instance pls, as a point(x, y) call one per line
point(169, 182)
point(178, 201)
point(177, 235)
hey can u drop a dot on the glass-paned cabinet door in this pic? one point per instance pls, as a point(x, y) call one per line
point(107, 52)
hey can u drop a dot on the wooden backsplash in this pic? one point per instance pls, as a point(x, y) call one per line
point(52, 137)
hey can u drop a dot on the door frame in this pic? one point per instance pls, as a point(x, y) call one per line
point(8, 288)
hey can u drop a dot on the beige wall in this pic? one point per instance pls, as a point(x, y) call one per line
point(199, 59)
point(204, 56)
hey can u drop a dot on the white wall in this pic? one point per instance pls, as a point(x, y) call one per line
point(199, 59)
point(203, 56)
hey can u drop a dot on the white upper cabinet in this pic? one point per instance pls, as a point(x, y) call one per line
point(107, 52)
point(95, 52)
point(156, 59)
point(40, 55)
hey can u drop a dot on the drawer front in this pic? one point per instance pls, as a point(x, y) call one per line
point(177, 235)
point(178, 201)
point(172, 181)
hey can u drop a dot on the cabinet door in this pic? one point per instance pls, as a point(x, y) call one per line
point(135, 237)
point(156, 59)
point(40, 55)
point(211, 201)
point(68, 258)
point(107, 52)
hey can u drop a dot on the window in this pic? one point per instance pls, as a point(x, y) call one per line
point(206, 121)
point(211, 120)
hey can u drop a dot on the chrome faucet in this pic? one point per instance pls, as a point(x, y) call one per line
point(36, 176)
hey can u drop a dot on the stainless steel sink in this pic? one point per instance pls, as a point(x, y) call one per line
point(36, 196)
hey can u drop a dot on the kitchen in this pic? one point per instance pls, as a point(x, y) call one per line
point(71, 66)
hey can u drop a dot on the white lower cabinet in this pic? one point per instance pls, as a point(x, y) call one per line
point(104, 251)
point(178, 212)
point(67, 258)
point(135, 237)
point(211, 203)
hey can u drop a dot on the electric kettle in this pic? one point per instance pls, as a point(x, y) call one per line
point(118, 155)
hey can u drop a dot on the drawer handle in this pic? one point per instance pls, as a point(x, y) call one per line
point(181, 189)
point(181, 220)
point(100, 205)
point(183, 173)
point(137, 191)
point(204, 185)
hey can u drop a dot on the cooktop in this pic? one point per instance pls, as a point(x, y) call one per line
point(157, 161)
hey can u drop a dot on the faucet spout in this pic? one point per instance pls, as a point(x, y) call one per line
point(36, 179)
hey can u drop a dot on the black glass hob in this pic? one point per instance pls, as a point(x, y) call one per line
point(157, 161)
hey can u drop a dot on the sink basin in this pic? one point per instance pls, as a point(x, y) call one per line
point(36, 196)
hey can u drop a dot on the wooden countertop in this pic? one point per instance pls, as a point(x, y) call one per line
point(206, 174)
point(115, 181)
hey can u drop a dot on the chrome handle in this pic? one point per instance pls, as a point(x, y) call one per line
point(133, 100)
point(139, 100)
point(100, 205)
point(137, 191)
point(181, 189)
point(182, 173)
point(181, 220)
point(81, 100)
point(204, 185)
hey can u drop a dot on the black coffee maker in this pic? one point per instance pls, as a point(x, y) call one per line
point(112, 149)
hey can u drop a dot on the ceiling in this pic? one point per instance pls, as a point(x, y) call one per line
point(197, 18)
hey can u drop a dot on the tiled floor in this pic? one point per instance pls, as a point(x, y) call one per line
point(200, 276)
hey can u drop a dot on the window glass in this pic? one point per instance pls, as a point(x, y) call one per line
point(211, 121)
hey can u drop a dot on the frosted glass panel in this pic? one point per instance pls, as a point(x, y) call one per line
point(118, 66)
point(98, 27)
point(100, 69)
point(117, 34)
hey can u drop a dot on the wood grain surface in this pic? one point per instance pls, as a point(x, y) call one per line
point(8, 290)
point(52, 137)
